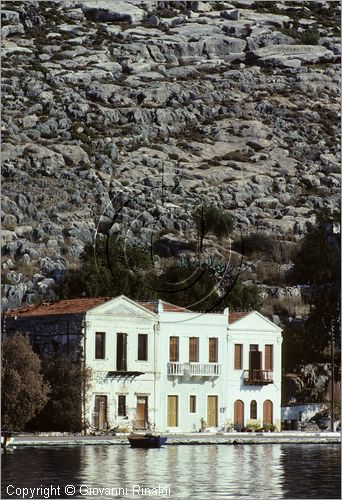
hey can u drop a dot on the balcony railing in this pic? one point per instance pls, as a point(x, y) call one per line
point(194, 369)
point(175, 369)
point(257, 377)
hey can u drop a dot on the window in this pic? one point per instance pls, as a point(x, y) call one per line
point(255, 359)
point(253, 409)
point(192, 408)
point(100, 345)
point(193, 349)
point(174, 349)
point(122, 406)
point(238, 356)
point(121, 352)
point(142, 347)
point(213, 350)
point(268, 357)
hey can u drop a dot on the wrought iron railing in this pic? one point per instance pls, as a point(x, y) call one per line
point(258, 377)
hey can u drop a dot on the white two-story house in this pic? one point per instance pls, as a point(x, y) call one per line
point(162, 367)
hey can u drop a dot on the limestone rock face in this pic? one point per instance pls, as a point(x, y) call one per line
point(157, 107)
point(107, 11)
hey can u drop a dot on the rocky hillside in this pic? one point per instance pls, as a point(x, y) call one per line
point(153, 108)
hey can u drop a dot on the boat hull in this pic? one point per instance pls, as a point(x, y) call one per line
point(6, 440)
point(147, 441)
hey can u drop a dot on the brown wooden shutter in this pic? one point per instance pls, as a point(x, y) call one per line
point(213, 350)
point(173, 349)
point(269, 357)
point(193, 349)
point(238, 357)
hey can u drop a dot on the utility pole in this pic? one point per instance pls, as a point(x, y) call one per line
point(332, 377)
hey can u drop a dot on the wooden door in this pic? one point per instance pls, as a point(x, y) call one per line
point(172, 411)
point(212, 411)
point(267, 412)
point(239, 417)
point(100, 420)
point(141, 413)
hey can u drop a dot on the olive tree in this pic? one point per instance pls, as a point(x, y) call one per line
point(24, 391)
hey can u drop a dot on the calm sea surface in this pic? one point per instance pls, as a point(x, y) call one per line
point(194, 472)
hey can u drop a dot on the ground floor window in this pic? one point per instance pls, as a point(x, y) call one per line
point(193, 402)
point(122, 406)
point(253, 410)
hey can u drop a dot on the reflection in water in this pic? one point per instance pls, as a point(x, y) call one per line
point(196, 472)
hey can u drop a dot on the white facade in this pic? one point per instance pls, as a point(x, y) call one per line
point(136, 385)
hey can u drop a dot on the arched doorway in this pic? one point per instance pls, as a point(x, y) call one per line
point(239, 418)
point(267, 412)
point(253, 410)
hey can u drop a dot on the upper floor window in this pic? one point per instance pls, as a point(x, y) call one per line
point(193, 349)
point(121, 352)
point(174, 349)
point(238, 356)
point(213, 350)
point(100, 341)
point(142, 347)
point(268, 357)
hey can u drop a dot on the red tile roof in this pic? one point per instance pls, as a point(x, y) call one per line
point(235, 316)
point(69, 306)
point(167, 307)
point(81, 305)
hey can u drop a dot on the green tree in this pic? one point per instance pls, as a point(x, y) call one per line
point(210, 219)
point(318, 264)
point(200, 290)
point(24, 391)
point(69, 382)
point(109, 269)
point(115, 270)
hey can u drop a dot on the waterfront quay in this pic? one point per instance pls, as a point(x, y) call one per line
point(235, 438)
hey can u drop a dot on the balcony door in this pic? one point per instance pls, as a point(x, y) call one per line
point(100, 414)
point(239, 417)
point(212, 411)
point(255, 362)
point(172, 411)
point(267, 412)
point(141, 413)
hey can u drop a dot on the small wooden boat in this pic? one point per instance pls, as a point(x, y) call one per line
point(146, 440)
point(6, 439)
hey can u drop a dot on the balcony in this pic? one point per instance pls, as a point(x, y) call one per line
point(257, 377)
point(194, 369)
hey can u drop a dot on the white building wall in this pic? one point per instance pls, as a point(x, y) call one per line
point(254, 330)
point(123, 315)
point(186, 325)
point(131, 386)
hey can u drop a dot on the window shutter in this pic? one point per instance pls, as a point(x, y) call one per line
point(268, 357)
point(193, 349)
point(213, 350)
point(174, 349)
point(238, 357)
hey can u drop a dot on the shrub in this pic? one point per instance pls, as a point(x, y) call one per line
point(213, 220)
